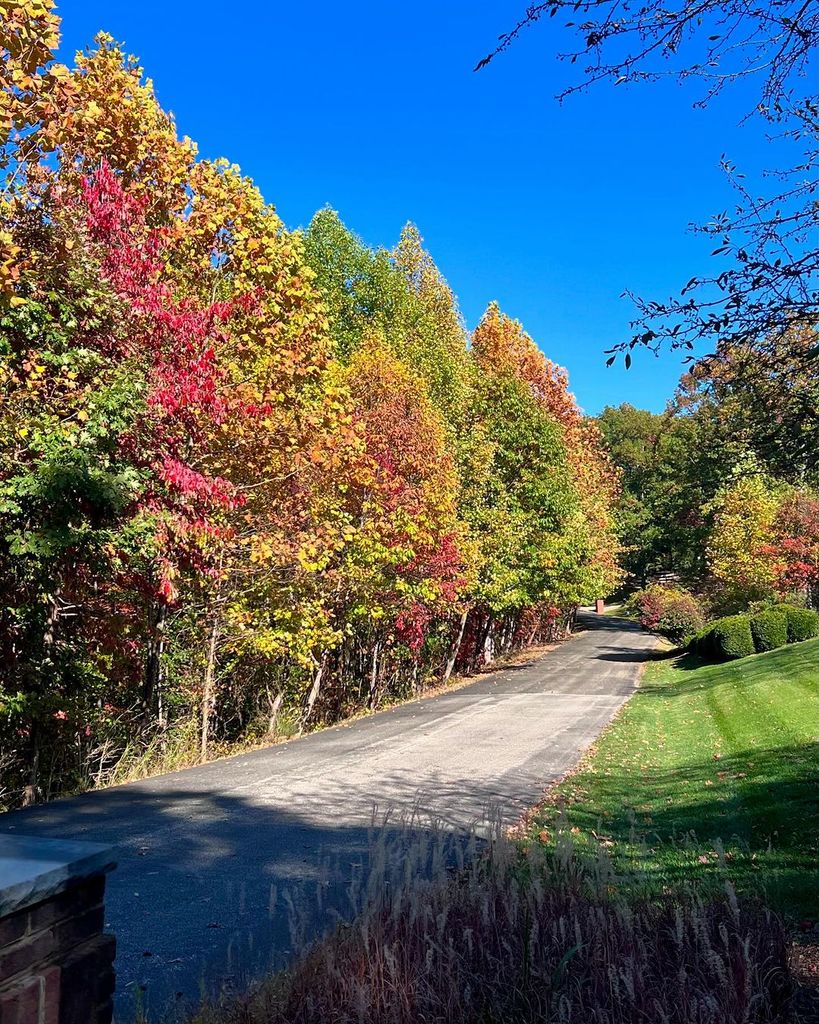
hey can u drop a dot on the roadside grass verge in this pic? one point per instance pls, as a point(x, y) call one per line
point(708, 774)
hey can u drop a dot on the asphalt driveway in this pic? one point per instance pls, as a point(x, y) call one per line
point(211, 859)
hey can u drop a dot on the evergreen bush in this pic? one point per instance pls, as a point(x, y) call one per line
point(732, 638)
point(769, 629)
point(803, 623)
point(702, 643)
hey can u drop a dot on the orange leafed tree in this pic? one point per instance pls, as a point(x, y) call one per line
point(501, 343)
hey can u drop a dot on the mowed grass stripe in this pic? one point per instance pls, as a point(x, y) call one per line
point(709, 773)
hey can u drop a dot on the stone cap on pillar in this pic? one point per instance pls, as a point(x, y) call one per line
point(34, 869)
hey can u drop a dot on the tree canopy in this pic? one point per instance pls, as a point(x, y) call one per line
point(250, 478)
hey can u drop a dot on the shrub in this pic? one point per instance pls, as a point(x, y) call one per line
point(769, 629)
point(702, 643)
point(731, 638)
point(803, 623)
point(496, 943)
point(737, 636)
point(669, 611)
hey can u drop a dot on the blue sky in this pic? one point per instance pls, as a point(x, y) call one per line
point(553, 210)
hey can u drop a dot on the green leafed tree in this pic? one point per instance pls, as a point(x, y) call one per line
point(402, 296)
point(672, 465)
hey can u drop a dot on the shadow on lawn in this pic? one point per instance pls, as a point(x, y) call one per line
point(714, 674)
point(762, 806)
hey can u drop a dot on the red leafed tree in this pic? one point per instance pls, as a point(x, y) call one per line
point(169, 346)
point(796, 548)
point(176, 341)
point(408, 531)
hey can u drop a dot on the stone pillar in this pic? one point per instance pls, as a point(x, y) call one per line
point(56, 964)
point(599, 605)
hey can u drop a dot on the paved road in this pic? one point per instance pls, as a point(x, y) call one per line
point(210, 857)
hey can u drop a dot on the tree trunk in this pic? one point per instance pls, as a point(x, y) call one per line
point(373, 676)
point(31, 791)
point(158, 618)
point(453, 654)
point(314, 691)
point(275, 708)
point(488, 646)
point(209, 688)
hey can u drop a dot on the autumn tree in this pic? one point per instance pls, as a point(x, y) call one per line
point(407, 562)
point(500, 345)
point(765, 541)
point(763, 397)
point(545, 540)
point(794, 545)
point(745, 510)
point(399, 294)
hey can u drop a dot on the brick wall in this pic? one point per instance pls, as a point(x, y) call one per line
point(56, 965)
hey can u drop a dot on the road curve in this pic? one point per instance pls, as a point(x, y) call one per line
point(207, 856)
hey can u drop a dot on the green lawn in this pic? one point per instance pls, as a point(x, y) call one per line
point(710, 772)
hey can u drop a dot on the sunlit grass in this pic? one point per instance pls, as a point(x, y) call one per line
point(710, 772)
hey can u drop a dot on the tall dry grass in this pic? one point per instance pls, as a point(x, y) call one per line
point(446, 933)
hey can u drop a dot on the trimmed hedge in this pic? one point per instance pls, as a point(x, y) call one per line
point(702, 643)
point(732, 637)
point(770, 629)
point(803, 623)
point(737, 636)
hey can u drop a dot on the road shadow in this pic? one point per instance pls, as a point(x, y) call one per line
point(607, 623)
point(636, 655)
point(213, 889)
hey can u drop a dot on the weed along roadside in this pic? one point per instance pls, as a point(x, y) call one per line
point(529, 940)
